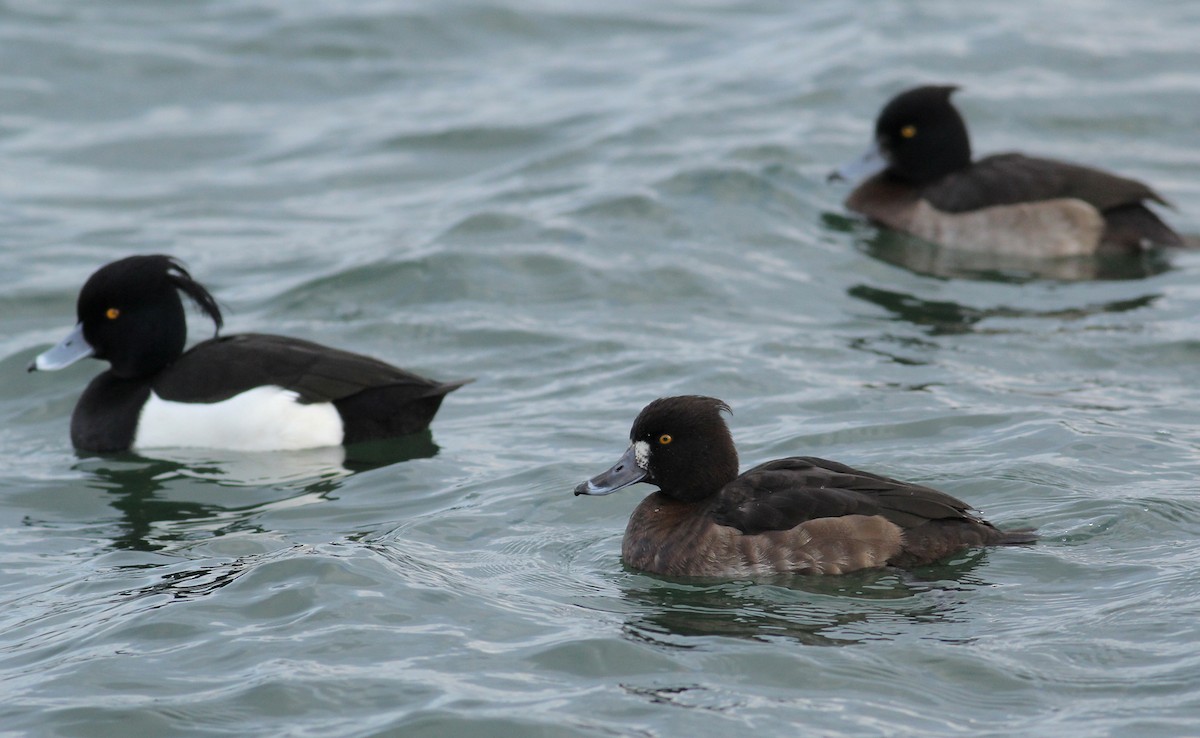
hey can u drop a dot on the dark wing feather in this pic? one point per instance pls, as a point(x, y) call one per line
point(1129, 227)
point(779, 495)
point(1005, 179)
point(220, 368)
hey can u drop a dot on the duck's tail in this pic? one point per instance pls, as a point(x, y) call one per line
point(1016, 537)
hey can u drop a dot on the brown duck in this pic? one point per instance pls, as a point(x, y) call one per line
point(918, 177)
point(798, 515)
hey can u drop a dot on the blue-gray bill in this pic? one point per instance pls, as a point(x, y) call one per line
point(68, 351)
point(622, 474)
point(868, 164)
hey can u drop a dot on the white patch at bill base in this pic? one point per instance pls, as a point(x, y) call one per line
point(641, 455)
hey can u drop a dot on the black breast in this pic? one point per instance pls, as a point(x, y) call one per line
point(106, 416)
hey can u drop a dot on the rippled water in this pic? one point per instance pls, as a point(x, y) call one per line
point(586, 207)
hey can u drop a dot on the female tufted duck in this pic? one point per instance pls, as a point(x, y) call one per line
point(798, 515)
point(248, 392)
point(919, 178)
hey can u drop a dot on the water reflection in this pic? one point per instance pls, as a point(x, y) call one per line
point(947, 317)
point(182, 494)
point(927, 259)
point(193, 583)
point(813, 610)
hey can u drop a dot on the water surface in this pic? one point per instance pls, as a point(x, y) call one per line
point(585, 208)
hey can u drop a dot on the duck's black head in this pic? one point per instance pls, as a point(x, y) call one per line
point(680, 444)
point(131, 316)
point(922, 136)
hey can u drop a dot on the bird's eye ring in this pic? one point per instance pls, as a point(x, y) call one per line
point(665, 438)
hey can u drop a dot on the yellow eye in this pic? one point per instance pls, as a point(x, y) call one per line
point(908, 131)
point(112, 313)
point(664, 439)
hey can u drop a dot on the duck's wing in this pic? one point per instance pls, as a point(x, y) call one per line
point(779, 495)
point(220, 368)
point(1005, 179)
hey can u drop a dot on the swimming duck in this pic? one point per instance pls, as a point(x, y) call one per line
point(248, 392)
point(799, 515)
point(918, 177)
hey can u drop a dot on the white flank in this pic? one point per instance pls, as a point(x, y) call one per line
point(641, 455)
point(266, 418)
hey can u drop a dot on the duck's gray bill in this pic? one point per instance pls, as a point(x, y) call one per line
point(624, 473)
point(871, 162)
point(68, 351)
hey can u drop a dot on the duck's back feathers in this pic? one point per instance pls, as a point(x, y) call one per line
point(1014, 179)
point(220, 368)
point(782, 494)
point(375, 399)
point(1006, 179)
point(827, 500)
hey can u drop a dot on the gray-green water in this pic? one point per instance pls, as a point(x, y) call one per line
point(587, 206)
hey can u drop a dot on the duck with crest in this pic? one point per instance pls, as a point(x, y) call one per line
point(918, 176)
point(249, 392)
point(800, 515)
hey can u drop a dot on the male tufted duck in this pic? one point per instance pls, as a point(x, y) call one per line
point(919, 178)
point(798, 515)
point(248, 392)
